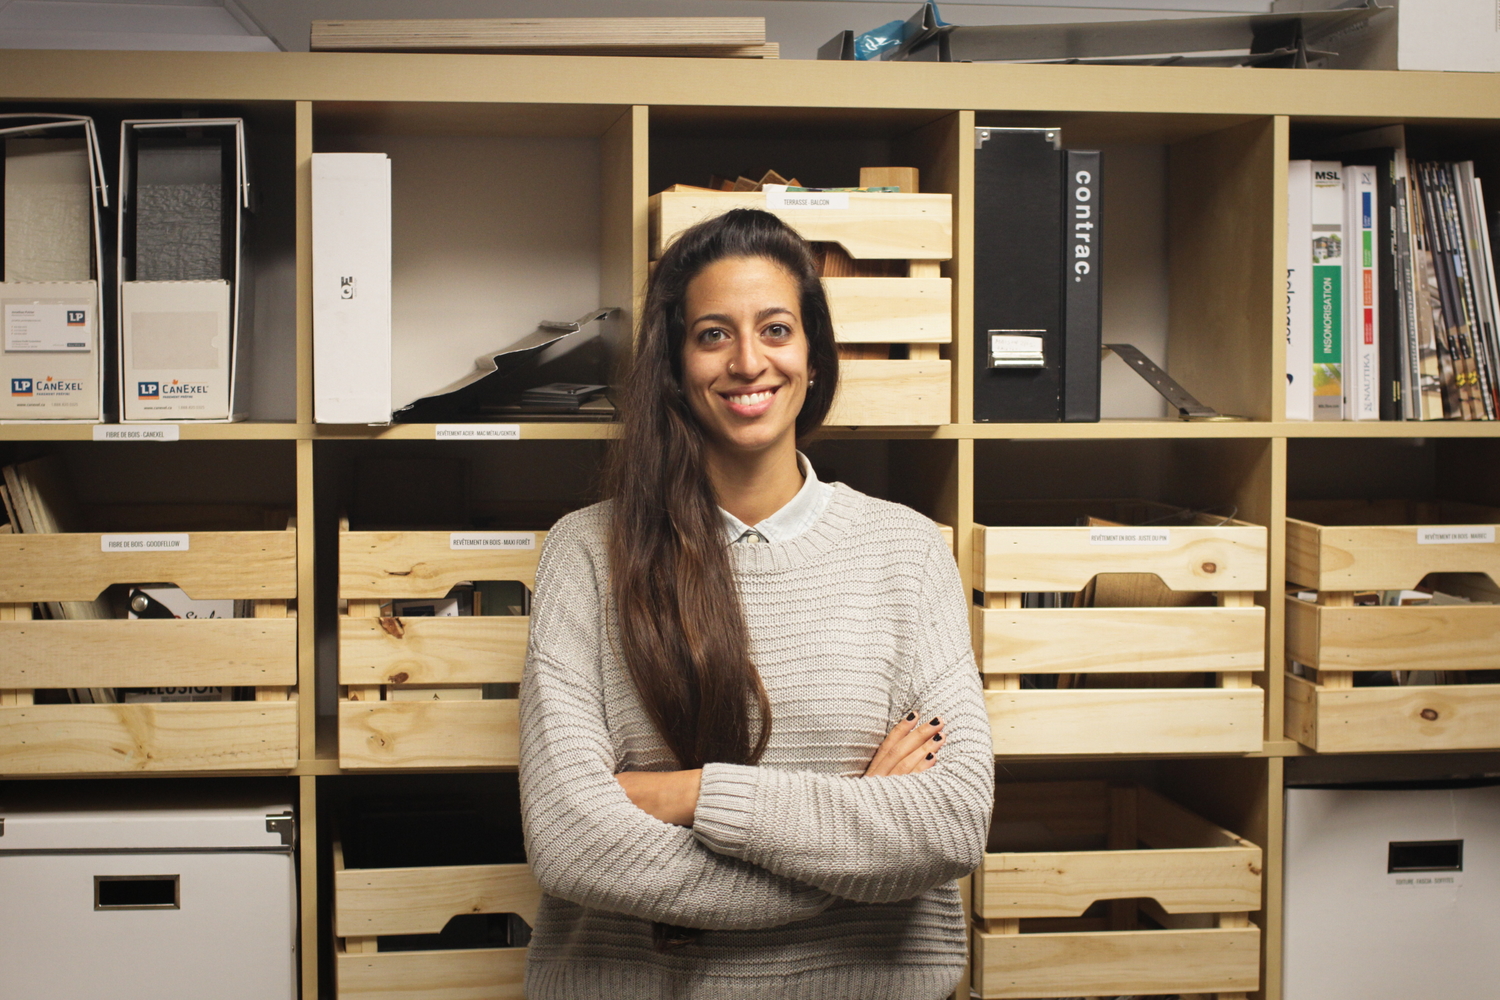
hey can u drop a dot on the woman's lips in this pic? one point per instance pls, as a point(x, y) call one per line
point(749, 404)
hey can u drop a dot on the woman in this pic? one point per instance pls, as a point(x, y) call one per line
point(753, 759)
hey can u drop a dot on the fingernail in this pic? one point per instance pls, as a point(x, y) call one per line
point(936, 737)
point(929, 756)
point(910, 716)
point(934, 721)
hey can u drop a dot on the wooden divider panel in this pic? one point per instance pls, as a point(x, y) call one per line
point(370, 902)
point(218, 565)
point(892, 394)
point(1121, 640)
point(402, 734)
point(1447, 637)
point(891, 310)
point(419, 564)
point(1109, 721)
point(477, 974)
point(873, 227)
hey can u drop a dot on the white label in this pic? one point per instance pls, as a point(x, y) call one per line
point(1457, 534)
point(156, 541)
point(49, 326)
point(776, 200)
point(156, 432)
point(1130, 536)
point(516, 541)
point(477, 432)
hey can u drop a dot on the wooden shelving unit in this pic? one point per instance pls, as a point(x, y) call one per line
point(1225, 136)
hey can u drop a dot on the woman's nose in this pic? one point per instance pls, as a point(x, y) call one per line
point(749, 361)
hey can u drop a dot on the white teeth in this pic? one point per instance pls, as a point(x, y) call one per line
point(752, 398)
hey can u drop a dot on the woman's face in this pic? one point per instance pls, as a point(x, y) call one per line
point(744, 358)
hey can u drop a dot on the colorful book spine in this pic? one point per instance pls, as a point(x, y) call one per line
point(1327, 214)
point(1362, 317)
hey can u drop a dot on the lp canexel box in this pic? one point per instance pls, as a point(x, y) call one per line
point(183, 295)
point(50, 303)
point(351, 216)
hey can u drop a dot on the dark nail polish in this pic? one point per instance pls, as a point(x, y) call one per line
point(936, 737)
point(929, 756)
point(910, 716)
point(934, 721)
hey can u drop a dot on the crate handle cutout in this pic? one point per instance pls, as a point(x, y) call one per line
point(137, 892)
point(1425, 856)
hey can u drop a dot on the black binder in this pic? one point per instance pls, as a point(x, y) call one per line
point(1026, 257)
point(1082, 259)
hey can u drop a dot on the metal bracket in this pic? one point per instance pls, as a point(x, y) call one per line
point(284, 825)
point(982, 133)
point(1188, 407)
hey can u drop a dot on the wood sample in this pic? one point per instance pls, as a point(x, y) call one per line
point(742, 37)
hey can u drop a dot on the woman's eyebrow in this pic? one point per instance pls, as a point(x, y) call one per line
point(760, 317)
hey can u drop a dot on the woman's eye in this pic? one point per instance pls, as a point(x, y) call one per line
point(713, 335)
point(779, 331)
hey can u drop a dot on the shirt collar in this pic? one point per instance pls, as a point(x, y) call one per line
point(791, 520)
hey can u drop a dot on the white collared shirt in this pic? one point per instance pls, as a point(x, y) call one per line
point(791, 520)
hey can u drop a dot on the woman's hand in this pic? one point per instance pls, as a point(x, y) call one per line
point(912, 746)
point(670, 796)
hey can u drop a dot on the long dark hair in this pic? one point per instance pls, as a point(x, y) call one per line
point(682, 630)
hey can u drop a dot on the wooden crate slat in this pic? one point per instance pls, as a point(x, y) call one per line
point(1065, 883)
point(113, 739)
point(373, 901)
point(1111, 963)
point(396, 734)
point(219, 565)
point(149, 653)
point(891, 310)
point(892, 394)
point(1378, 557)
point(1063, 808)
point(1040, 559)
point(873, 227)
point(1163, 824)
point(374, 565)
point(473, 974)
point(482, 650)
point(1447, 637)
point(1121, 640)
point(1107, 721)
point(1393, 719)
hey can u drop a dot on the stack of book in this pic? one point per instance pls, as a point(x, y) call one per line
point(711, 37)
point(1392, 300)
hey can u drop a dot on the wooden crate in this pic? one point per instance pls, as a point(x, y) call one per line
point(371, 902)
point(1209, 556)
point(913, 313)
point(259, 652)
point(378, 656)
point(874, 227)
point(1058, 849)
point(1338, 548)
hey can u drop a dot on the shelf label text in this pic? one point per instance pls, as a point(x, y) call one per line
point(477, 432)
point(1130, 536)
point(777, 200)
point(515, 541)
point(155, 432)
point(156, 541)
point(1457, 534)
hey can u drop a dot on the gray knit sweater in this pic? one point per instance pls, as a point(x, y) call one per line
point(811, 882)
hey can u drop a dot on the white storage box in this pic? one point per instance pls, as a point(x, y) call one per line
point(1392, 893)
point(157, 903)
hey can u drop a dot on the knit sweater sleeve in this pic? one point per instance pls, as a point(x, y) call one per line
point(586, 841)
point(884, 839)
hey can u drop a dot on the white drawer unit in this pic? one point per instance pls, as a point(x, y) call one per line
point(150, 902)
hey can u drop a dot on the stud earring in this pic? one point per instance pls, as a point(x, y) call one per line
point(811, 382)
